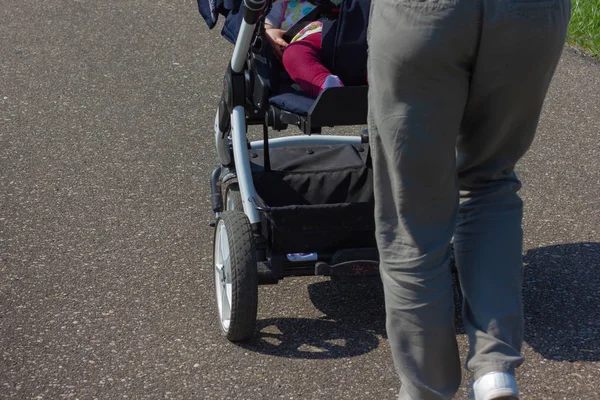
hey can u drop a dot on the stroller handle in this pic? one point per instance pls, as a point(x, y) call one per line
point(253, 5)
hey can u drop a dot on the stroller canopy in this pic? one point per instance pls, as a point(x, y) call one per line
point(210, 9)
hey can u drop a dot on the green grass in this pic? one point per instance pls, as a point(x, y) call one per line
point(584, 29)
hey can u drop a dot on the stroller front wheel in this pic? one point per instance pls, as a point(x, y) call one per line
point(236, 276)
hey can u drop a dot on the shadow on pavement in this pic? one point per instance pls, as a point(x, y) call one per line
point(562, 301)
point(562, 310)
point(354, 318)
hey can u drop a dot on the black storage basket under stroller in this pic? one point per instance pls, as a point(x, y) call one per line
point(316, 199)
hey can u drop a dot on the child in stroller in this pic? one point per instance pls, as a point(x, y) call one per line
point(296, 38)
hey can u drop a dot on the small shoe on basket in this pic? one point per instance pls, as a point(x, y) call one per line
point(332, 81)
point(495, 386)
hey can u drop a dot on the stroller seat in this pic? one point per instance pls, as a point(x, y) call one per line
point(269, 89)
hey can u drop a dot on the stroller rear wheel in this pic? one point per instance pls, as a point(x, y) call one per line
point(236, 276)
point(233, 198)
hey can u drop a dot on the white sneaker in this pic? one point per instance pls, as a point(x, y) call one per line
point(496, 386)
point(332, 81)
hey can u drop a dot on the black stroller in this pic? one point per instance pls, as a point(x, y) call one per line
point(296, 205)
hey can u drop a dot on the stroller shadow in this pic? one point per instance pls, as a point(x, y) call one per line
point(561, 293)
point(354, 319)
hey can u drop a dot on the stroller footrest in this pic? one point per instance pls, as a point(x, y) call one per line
point(336, 106)
point(340, 106)
point(348, 268)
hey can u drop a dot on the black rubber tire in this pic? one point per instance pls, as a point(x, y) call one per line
point(233, 197)
point(244, 275)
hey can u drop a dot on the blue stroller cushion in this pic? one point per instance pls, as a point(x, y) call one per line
point(296, 103)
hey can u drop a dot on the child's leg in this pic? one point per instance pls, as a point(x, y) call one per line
point(302, 61)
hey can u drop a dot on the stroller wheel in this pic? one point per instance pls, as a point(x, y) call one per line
point(233, 198)
point(236, 276)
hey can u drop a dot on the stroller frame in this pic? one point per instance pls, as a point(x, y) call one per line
point(241, 248)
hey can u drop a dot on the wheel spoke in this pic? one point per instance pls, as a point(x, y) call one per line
point(220, 268)
point(219, 286)
point(226, 307)
point(229, 292)
point(224, 246)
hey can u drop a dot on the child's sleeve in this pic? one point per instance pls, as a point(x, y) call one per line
point(275, 17)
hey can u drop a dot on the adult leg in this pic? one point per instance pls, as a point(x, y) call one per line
point(519, 48)
point(420, 56)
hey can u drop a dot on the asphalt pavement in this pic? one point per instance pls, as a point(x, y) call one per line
point(106, 279)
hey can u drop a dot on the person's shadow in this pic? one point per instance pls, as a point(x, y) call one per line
point(561, 293)
point(561, 297)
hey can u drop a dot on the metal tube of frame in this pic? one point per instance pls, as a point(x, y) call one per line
point(242, 163)
point(222, 144)
point(241, 47)
point(306, 140)
point(252, 11)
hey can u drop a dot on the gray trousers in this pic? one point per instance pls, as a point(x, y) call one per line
point(456, 91)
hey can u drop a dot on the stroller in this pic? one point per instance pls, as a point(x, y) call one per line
point(297, 205)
